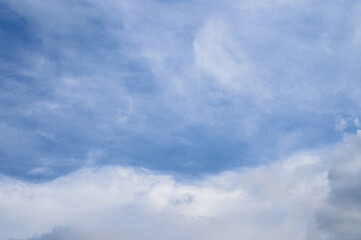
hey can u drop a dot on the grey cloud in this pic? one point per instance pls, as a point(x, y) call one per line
point(75, 233)
point(340, 217)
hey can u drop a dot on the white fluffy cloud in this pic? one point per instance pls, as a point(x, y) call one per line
point(307, 196)
point(276, 201)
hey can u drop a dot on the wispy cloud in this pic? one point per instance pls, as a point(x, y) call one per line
point(116, 77)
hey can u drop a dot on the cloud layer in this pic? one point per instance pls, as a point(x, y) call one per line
point(307, 196)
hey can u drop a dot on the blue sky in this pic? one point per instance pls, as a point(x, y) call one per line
point(181, 86)
point(187, 89)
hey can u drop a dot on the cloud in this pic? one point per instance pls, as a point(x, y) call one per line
point(310, 195)
point(71, 233)
point(182, 87)
point(340, 217)
point(274, 201)
point(187, 87)
point(220, 57)
point(119, 76)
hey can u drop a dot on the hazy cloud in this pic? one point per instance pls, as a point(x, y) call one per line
point(71, 233)
point(119, 76)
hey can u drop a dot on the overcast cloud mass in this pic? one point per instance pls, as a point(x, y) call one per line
point(180, 119)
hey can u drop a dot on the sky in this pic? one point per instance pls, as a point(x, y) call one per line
point(180, 119)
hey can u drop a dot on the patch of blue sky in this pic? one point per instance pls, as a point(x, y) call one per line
point(173, 85)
